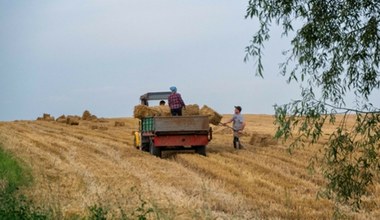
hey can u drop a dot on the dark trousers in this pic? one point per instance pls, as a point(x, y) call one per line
point(177, 111)
point(236, 140)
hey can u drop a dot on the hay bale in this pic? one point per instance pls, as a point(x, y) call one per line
point(119, 124)
point(103, 128)
point(93, 127)
point(163, 109)
point(45, 117)
point(72, 120)
point(93, 118)
point(191, 110)
point(61, 120)
point(262, 139)
point(213, 116)
point(61, 117)
point(143, 111)
point(86, 115)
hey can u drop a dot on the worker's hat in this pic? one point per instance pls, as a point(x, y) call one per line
point(238, 108)
point(173, 89)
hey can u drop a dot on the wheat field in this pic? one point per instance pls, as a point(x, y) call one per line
point(75, 167)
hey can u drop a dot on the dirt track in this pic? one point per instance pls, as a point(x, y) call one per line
point(75, 167)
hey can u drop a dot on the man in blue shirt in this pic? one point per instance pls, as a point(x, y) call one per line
point(238, 125)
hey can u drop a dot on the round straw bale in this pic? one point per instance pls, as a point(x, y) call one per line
point(191, 110)
point(213, 116)
point(39, 119)
point(46, 116)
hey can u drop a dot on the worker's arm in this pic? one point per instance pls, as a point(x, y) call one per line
point(229, 121)
point(182, 102)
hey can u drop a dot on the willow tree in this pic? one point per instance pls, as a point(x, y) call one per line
point(335, 52)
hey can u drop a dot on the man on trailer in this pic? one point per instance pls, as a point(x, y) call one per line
point(175, 102)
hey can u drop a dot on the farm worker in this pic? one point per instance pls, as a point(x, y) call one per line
point(238, 125)
point(175, 102)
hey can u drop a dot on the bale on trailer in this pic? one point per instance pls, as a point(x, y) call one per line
point(143, 111)
point(191, 110)
point(163, 109)
point(213, 116)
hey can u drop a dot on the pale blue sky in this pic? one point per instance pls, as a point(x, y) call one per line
point(65, 56)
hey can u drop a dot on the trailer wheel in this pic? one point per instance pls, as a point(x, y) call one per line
point(154, 150)
point(201, 150)
point(145, 147)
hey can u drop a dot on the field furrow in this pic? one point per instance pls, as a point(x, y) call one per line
point(75, 167)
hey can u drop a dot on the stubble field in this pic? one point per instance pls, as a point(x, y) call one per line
point(75, 167)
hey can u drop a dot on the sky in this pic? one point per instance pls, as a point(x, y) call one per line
point(66, 56)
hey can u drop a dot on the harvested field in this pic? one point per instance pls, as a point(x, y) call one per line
point(75, 167)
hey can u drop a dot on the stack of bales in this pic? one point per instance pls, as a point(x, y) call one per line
point(46, 117)
point(87, 116)
point(72, 120)
point(143, 111)
point(62, 119)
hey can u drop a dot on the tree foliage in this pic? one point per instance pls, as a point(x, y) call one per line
point(335, 52)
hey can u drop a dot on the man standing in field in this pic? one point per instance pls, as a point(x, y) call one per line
point(175, 102)
point(238, 125)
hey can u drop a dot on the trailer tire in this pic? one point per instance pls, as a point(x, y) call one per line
point(201, 150)
point(154, 150)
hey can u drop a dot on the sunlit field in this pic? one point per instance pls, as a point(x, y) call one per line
point(75, 167)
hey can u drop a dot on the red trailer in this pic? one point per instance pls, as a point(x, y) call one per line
point(157, 134)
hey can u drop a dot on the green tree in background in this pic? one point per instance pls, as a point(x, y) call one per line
point(335, 52)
